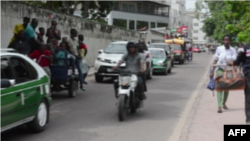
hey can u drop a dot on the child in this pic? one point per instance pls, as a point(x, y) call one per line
point(83, 50)
point(43, 57)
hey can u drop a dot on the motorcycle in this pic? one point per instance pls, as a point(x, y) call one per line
point(126, 94)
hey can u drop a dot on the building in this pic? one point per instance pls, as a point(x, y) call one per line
point(179, 18)
point(139, 15)
point(199, 37)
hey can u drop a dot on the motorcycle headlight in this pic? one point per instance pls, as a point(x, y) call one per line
point(124, 80)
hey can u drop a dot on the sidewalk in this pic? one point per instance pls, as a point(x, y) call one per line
point(205, 124)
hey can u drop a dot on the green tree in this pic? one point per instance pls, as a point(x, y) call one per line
point(226, 17)
point(96, 10)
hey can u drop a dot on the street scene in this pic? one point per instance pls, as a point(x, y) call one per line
point(125, 70)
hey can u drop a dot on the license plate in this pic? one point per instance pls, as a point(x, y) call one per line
point(109, 70)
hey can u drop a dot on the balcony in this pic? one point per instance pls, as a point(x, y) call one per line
point(143, 7)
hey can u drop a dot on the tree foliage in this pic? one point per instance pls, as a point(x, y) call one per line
point(95, 10)
point(227, 17)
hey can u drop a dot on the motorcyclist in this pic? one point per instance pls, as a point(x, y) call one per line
point(134, 63)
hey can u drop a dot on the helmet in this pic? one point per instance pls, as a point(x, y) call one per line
point(130, 45)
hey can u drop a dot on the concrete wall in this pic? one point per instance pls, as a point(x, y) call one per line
point(97, 36)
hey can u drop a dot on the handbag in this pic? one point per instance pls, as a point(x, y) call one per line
point(230, 80)
point(211, 84)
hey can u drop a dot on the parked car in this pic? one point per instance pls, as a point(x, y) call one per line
point(202, 49)
point(109, 58)
point(161, 61)
point(196, 49)
point(25, 93)
point(167, 49)
point(179, 54)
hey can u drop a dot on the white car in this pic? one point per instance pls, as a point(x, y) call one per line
point(109, 58)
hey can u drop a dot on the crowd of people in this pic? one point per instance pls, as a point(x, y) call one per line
point(52, 51)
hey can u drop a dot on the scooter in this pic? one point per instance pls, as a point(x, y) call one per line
point(125, 92)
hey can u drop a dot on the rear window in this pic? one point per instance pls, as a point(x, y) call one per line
point(157, 53)
point(175, 47)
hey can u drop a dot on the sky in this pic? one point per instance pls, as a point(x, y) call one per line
point(190, 4)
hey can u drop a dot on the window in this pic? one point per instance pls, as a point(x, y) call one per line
point(22, 70)
point(196, 24)
point(125, 7)
point(131, 8)
point(120, 23)
point(196, 31)
point(145, 8)
point(152, 24)
point(5, 69)
point(195, 38)
point(162, 24)
point(131, 25)
point(139, 7)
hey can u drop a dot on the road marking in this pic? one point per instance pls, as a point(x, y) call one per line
point(180, 125)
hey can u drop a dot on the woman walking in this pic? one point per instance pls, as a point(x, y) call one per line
point(223, 56)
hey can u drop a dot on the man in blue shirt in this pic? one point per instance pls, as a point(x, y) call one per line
point(30, 34)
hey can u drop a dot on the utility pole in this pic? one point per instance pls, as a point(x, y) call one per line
point(86, 8)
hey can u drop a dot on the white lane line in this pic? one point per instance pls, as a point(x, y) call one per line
point(180, 125)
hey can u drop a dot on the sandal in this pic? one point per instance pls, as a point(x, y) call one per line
point(219, 110)
point(225, 107)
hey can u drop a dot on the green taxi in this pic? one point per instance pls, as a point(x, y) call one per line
point(202, 49)
point(161, 61)
point(25, 93)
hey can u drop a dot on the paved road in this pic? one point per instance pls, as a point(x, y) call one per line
point(92, 116)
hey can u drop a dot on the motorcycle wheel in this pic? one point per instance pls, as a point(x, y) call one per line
point(122, 107)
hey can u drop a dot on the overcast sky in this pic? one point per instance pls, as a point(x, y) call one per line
point(190, 4)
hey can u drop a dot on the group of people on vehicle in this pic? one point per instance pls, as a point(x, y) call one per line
point(53, 51)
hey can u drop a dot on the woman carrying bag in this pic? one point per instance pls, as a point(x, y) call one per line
point(223, 56)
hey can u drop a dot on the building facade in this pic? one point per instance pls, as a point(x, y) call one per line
point(136, 15)
point(198, 36)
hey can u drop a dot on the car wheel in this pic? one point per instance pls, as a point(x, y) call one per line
point(170, 70)
point(165, 71)
point(98, 78)
point(180, 62)
point(41, 119)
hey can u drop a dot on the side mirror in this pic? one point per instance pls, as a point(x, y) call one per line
point(5, 83)
point(100, 51)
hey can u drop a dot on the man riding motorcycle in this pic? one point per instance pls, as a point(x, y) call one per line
point(134, 63)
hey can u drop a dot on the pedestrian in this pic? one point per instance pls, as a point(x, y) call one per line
point(30, 34)
point(244, 59)
point(140, 49)
point(20, 44)
point(19, 27)
point(40, 34)
point(223, 54)
point(43, 57)
point(83, 50)
point(53, 34)
point(62, 55)
point(73, 49)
